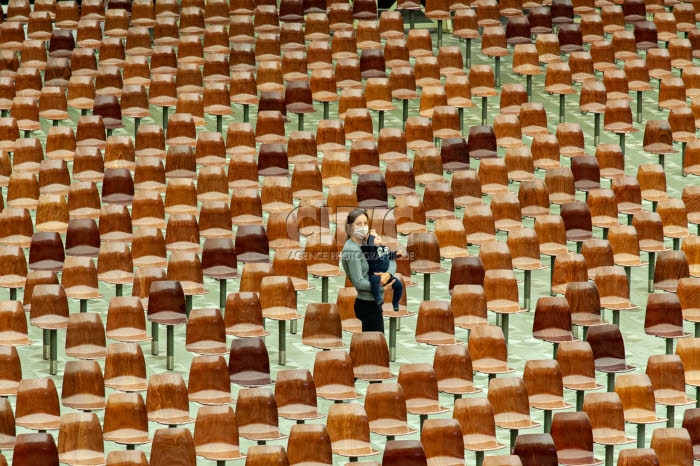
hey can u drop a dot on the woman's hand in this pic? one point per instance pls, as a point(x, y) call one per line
point(386, 277)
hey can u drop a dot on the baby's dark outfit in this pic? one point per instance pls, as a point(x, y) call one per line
point(378, 258)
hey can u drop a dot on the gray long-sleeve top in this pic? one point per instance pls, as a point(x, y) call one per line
point(356, 267)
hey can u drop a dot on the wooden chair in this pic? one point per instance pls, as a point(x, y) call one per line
point(625, 245)
point(348, 428)
point(243, 316)
point(674, 219)
point(637, 396)
point(577, 221)
point(12, 375)
point(80, 439)
point(435, 325)
point(469, 306)
point(37, 405)
point(690, 417)
point(166, 400)
point(552, 321)
point(672, 446)
point(125, 367)
point(671, 266)
point(249, 364)
point(476, 420)
point(508, 397)
point(668, 381)
point(295, 394)
point(442, 440)
point(216, 434)
point(573, 438)
point(333, 376)
point(664, 318)
point(607, 419)
point(386, 409)
point(568, 268)
point(453, 368)
point(584, 302)
point(420, 386)
point(578, 369)
point(173, 441)
point(488, 351)
point(370, 356)
point(35, 449)
point(49, 312)
point(608, 351)
point(309, 443)
point(257, 415)
point(545, 389)
point(614, 290)
point(13, 324)
point(209, 383)
point(83, 386)
point(126, 420)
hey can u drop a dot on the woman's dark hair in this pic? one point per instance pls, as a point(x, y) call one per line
point(352, 216)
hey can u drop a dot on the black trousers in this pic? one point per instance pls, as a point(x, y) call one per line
point(370, 314)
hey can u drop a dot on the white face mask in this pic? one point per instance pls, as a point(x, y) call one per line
point(360, 232)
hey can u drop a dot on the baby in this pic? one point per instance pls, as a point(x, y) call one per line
point(378, 258)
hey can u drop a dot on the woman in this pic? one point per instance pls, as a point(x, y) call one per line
point(357, 269)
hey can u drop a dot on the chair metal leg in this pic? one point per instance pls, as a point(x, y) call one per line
point(669, 345)
point(498, 71)
point(170, 358)
point(324, 289)
point(468, 53)
point(596, 128)
point(552, 259)
point(652, 266)
point(392, 338)
point(641, 434)
point(484, 110)
point(611, 381)
point(405, 112)
point(504, 325)
point(639, 106)
point(562, 108)
point(47, 344)
point(222, 294)
point(154, 339)
point(426, 287)
point(609, 454)
point(527, 285)
point(282, 339)
point(683, 145)
point(579, 400)
point(53, 364)
point(671, 415)
point(165, 118)
point(528, 79)
point(622, 142)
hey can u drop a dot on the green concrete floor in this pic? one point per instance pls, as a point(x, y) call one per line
point(522, 345)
